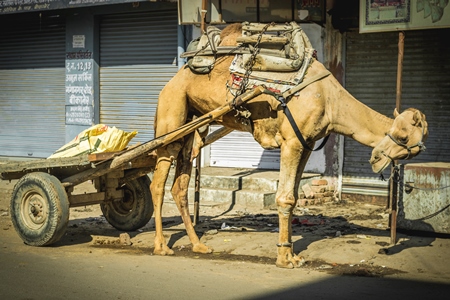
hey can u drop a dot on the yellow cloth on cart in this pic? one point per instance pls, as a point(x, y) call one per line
point(96, 139)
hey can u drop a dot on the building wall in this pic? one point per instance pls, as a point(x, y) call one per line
point(50, 71)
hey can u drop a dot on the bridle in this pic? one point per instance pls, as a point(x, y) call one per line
point(419, 144)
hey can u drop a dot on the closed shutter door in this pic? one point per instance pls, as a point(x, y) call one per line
point(371, 72)
point(137, 58)
point(239, 149)
point(32, 84)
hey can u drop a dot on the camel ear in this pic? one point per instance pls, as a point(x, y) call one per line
point(396, 113)
point(418, 117)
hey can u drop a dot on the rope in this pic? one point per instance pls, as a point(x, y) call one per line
point(433, 214)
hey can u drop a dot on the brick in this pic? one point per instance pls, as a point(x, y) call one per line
point(319, 182)
point(124, 239)
point(319, 195)
point(318, 188)
point(327, 199)
point(328, 194)
point(308, 191)
point(302, 202)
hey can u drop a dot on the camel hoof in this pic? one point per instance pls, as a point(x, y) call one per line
point(299, 261)
point(201, 248)
point(294, 262)
point(285, 265)
point(163, 251)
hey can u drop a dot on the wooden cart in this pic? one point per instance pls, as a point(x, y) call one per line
point(43, 194)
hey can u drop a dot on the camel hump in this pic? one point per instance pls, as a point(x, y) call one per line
point(281, 47)
point(209, 41)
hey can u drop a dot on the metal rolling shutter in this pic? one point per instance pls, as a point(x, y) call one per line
point(137, 58)
point(32, 59)
point(239, 149)
point(371, 70)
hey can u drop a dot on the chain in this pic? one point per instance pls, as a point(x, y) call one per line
point(251, 62)
point(408, 188)
point(395, 176)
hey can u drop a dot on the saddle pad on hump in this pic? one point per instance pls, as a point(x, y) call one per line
point(277, 82)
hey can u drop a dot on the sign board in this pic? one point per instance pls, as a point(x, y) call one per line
point(19, 6)
point(79, 88)
point(266, 11)
point(189, 12)
point(395, 15)
point(78, 41)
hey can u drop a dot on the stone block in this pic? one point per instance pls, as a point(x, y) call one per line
point(319, 182)
point(124, 239)
point(309, 194)
point(319, 188)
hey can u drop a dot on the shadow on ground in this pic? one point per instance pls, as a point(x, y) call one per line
point(310, 227)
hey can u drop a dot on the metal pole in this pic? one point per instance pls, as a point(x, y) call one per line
point(393, 195)
point(197, 188)
point(203, 16)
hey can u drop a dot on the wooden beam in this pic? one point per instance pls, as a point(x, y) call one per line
point(185, 129)
point(265, 39)
point(86, 199)
point(218, 134)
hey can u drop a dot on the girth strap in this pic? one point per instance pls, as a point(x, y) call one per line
point(282, 99)
point(299, 135)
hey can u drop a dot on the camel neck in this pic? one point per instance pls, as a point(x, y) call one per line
point(356, 120)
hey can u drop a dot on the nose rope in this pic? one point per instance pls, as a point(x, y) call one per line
point(419, 144)
point(394, 172)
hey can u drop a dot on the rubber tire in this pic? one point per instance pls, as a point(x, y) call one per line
point(136, 208)
point(44, 190)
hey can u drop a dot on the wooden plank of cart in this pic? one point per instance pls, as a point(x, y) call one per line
point(42, 196)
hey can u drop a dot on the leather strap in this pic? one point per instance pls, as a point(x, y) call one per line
point(287, 112)
point(299, 135)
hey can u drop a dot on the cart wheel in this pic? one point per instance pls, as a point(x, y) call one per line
point(134, 210)
point(39, 209)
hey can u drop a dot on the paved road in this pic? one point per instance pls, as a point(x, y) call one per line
point(78, 270)
point(74, 272)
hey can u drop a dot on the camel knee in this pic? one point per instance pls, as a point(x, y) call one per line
point(181, 185)
point(157, 190)
point(158, 183)
point(156, 186)
point(179, 190)
point(285, 205)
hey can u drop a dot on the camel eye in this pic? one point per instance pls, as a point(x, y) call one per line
point(403, 140)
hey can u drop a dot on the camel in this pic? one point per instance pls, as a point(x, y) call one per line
point(321, 108)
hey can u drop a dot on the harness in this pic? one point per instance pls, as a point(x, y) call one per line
point(261, 52)
point(419, 144)
point(284, 98)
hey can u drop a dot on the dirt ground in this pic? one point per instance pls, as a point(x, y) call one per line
point(345, 238)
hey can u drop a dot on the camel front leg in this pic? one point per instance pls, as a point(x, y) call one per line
point(180, 194)
point(293, 161)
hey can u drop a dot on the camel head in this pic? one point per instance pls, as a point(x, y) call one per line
point(404, 140)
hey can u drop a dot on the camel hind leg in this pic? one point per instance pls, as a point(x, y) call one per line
point(171, 113)
point(180, 193)
point(165, 158)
